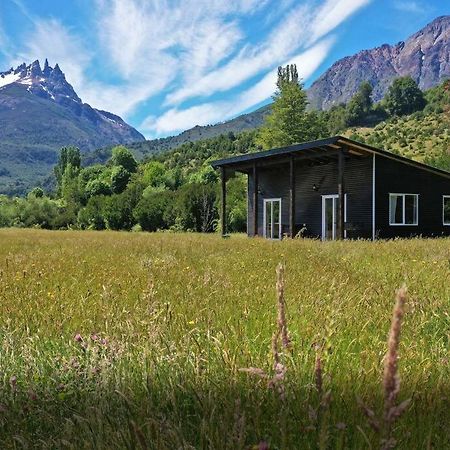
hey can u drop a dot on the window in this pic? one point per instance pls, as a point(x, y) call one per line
point(446, 209)
point(403, 209)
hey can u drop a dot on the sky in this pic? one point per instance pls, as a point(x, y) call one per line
point(168, 65)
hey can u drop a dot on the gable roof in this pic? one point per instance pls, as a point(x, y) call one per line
point(335, 142)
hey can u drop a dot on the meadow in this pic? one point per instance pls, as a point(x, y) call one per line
point(134, 340)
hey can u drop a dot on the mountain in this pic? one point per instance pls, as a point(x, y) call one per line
point(39, 113)
point(425, 56)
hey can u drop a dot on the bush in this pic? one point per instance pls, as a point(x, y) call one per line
point(152, 212)
point(91, 216)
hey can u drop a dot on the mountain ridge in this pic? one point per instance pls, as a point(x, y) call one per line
point(425, 56)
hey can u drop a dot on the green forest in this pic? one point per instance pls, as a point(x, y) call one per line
point(177, 190)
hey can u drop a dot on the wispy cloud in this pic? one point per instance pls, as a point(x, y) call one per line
point(410, 6)
point(331, 14)
point(305, 23)
point(206, 113)
point(50, 39)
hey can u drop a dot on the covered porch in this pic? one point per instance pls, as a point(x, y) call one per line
point(278, 187)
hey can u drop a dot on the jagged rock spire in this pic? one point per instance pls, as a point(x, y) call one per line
point(35, 69)
point(47, 69)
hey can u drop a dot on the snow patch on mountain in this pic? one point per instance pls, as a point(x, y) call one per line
point(8, 78)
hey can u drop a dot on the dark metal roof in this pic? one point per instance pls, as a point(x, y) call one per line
point(335, 142)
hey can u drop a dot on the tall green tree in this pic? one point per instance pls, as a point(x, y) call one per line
point(360, 105)
point(404, 97)
point(289, 122)
point(121, 156)
point(68, 156)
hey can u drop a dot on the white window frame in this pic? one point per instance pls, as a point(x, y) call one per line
point(335, 197)
point(444, 197)
point(270, 200)
point(403, 224)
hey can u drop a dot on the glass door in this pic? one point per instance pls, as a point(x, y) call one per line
point(329, 218)
point(272, 218)
point(330, 215)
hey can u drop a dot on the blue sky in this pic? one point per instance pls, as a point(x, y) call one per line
point(167, 65)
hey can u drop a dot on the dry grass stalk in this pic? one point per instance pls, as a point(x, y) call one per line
point(391, 378)
point(318, 376)
point(282, 323)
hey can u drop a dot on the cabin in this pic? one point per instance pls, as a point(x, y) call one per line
point(337, 188)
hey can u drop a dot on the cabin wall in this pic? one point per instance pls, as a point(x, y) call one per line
point(274, 182)
point(395, 177)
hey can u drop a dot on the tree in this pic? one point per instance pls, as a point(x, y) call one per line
point(289, 122)
point(121, 156)
point(404, 97)
point(360, 105)
point(195, 207)
point(119, 179)
point(70, 187)
point(97, 187)
point(67, 156)
point(91, 216)
point(118, 212)
point(151, 211)
point(36, 192)
point(156, 175)
point(237, 204)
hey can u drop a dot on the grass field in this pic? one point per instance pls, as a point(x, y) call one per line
point(132, 340)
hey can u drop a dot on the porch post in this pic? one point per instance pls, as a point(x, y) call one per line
point(292, 198)
point(255, 200)
point(341, 192)
point(223, 215)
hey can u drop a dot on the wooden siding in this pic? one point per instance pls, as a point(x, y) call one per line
point(395, 177)
point(274, 183)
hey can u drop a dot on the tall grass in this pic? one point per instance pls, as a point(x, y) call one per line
point(119, 340)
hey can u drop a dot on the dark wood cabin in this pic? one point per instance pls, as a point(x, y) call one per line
point(299, 189)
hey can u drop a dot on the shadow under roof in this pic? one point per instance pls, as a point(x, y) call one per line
point(326, 146)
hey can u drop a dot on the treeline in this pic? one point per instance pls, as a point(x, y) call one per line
point(178, 190)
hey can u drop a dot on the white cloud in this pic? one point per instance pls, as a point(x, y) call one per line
point(332, 14)
point(176, 120)
point(50, 39)
point(410, 6)
point(250, 60)
point(304, 23)
point(153, 44)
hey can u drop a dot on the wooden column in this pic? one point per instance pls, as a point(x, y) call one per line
point(291, 198)
point(341, 192)
point(255, 200)
point(223, 215)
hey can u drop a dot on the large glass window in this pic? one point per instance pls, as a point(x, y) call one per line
point(446, 209)
point(403, 209)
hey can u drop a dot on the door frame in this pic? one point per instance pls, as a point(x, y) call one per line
point(265, 202)
point(335, 197)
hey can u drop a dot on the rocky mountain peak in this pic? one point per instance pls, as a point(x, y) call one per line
point(34, 69)
point(49, 83)
point(425, 56)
